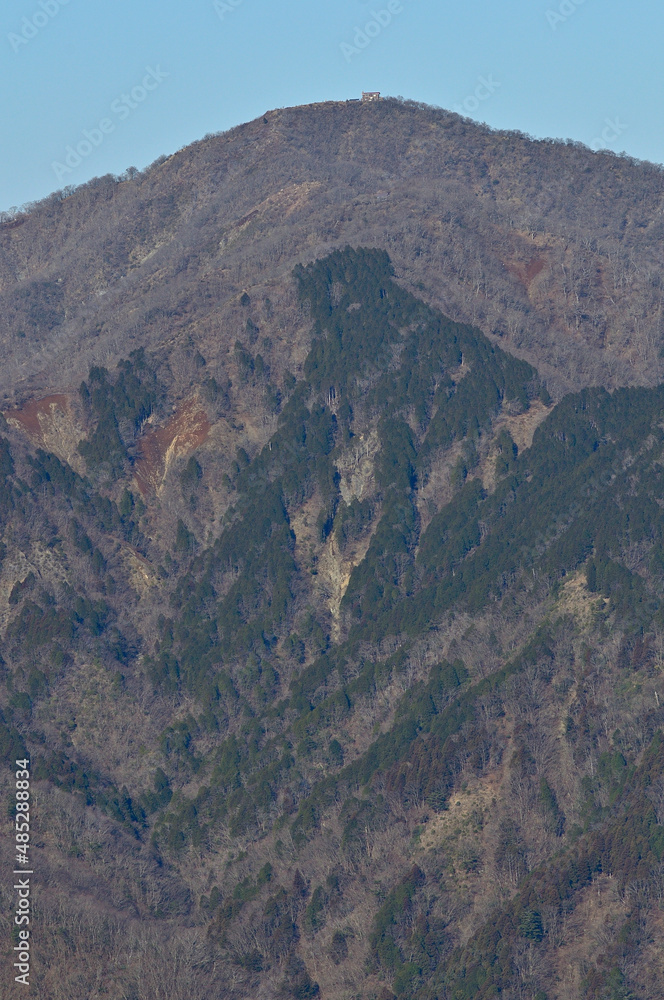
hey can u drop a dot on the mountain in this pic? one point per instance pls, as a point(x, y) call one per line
point(545, 245)
point(332, 567)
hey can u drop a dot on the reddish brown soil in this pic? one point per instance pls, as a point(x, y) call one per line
point(28, 415)
point(526, 273)
point(187, 430)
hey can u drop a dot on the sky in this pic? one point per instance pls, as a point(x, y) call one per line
point(92, 87)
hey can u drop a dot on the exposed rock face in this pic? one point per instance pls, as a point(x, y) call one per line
point(159, 447)
point(51, 423)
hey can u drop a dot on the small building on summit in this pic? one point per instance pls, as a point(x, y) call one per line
point(370, 95)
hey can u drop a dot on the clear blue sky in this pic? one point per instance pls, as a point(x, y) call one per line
point(562, 68)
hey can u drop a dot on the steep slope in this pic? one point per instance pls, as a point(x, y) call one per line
point(550, 249)
point(330, 687)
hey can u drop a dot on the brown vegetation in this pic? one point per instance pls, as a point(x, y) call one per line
point(548, 247)
point(554, 252)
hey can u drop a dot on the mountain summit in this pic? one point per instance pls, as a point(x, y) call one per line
point(546, 246)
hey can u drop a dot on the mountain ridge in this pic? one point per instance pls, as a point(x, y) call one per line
point(512, 256)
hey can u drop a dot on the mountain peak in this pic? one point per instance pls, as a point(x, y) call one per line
point(549, 248)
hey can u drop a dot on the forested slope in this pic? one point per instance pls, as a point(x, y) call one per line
point(552, 250)
point(343, 679)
